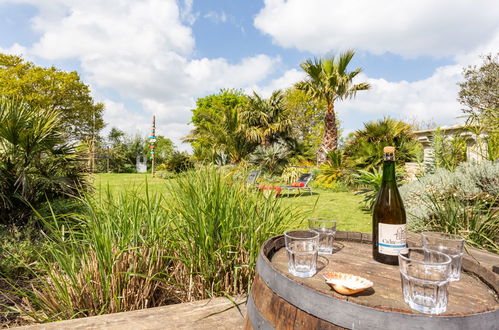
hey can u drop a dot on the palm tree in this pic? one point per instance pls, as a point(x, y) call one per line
point(265, 121)
point(365, 146)
point(36, 161)
point(328, 81)
point(219, 133)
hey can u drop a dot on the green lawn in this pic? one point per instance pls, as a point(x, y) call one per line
point(345, 207)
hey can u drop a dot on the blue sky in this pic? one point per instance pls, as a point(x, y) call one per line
point(158, 56)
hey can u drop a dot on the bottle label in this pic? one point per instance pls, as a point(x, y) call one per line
point(391, 239)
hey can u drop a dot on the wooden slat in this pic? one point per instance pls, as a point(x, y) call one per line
point(217, 313)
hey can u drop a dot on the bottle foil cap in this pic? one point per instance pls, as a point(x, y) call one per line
point(389, 149)
point(389, 153)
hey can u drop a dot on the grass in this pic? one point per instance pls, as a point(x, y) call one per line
point(129, 250)
point(345, 207)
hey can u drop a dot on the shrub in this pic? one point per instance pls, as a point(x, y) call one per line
point(291, 173)
point(36, 161)
point(179, 162)
point(471, 192)
point(271, 159)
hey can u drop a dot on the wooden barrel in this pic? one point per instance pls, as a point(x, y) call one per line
point(279, 300)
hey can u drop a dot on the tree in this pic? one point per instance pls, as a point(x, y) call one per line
point(163, 148)
point(307, 117)
point(328, 81)
point(364, 149)
point(36, 160)
point(217, 133)
point(480, 95)
point(266, 121)
point(480, 92)
point(51, 88)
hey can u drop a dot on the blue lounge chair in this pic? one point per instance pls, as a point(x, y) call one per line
point(305, 179)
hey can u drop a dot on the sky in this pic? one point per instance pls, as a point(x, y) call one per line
point(157, 57)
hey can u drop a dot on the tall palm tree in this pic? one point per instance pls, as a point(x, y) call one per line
point(328, 80)
point(265, 121)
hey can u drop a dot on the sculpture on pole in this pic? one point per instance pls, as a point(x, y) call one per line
point(152, 140)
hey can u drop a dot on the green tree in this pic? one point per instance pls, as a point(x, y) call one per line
point(217, 133)
point(480, 95)
point(307, 116)
point(51, 88)
point(364, 149)
point(266, 121)
point(36, 160)
point(163, 148)
point(328, 81)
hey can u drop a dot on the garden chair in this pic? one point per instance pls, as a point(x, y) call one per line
point(300, 184)
point(252, 177)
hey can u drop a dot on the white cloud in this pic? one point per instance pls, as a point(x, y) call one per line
point(142, 50)
point(15, 49)
point(433, 98)
point(216, 17)
point(288, 79)
point(407, 28)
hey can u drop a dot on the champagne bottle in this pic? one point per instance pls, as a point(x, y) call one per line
point(389, 222)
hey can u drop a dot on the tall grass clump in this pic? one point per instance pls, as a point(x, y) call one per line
point(130, 251)
point(111, 258)
point(219, 229)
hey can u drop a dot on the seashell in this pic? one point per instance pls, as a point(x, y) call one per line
point(346, 284)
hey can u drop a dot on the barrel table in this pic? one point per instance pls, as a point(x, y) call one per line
point(279, 300)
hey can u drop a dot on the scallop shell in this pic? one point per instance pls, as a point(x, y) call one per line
point(346, 284)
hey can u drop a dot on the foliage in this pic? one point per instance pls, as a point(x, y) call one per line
point(19, 248)
point(364, 149)
point(332, 171)
point(36, 161)
point(469, 184)
point(479, 92)
point(266, 121)
point(220, 230)
point(108, 259)
point(291, 174)
point(179, 162)
point(476, 221)
point(328, 81)
point(271, 159)
point(217, 127)
point(307, 116)
point(131, 251)
point(163, 149)
point(480, 95)
point(449, 151)
point(54, 89)
point(370, 182)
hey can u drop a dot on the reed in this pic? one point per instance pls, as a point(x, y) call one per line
point(131, 251)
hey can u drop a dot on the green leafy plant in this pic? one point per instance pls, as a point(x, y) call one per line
point(364, 149)
point(272, 159)
point(131, 251)
point(179, 162)
point(477, 222)
point(371, 183)
point(36, 160)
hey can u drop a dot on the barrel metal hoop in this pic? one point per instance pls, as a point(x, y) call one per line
point(354, 316)
point(256, 320)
